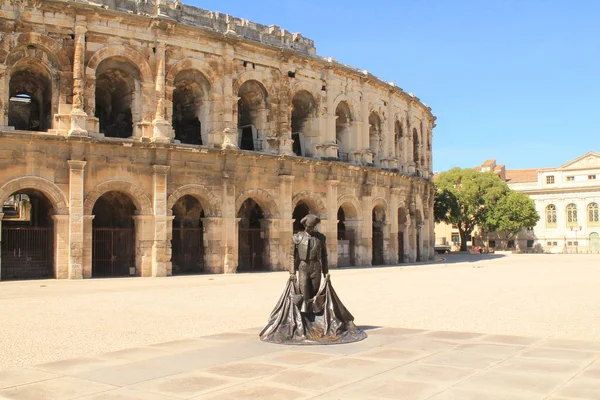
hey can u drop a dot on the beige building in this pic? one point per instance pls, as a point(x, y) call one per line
point(154, 138)
point(567, 198)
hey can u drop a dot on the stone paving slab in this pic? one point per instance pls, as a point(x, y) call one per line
point(392, 363)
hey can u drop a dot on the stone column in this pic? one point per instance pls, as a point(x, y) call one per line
point(364, 134)
point(162, 130)
point(61, 246)
point(87, 246)
point(161, 247)
point(78, 115)
point(4, 101)
point(144, 241)
point(76, 222)
point(286, 222)
point(214, 251)
point(393, 213)
point(365, 246)
point(330, 224)
point(272, 244)
point(229, 224)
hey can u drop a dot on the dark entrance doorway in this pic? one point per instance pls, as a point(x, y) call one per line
point(113, 236)
point(188, 237)
point(345, 238)
point(27, 237)
point(300, 211)
point(378, 218)
point(400, 247)
point(251, 238)
point(402, 221)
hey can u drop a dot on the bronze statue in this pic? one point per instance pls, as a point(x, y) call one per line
point(309, 311)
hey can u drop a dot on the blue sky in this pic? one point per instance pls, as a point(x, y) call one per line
point(514, 80)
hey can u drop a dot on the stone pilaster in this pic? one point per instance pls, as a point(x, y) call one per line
point(286, 222)
point(144, 243)
point(161, 248)
point(61, 246)
point(229, 101)
point(87, 245)
point(3, 101)
point(389, 146)
point(394, 229)
point(78, 115)
point(330, 224)
point(271, 255)
point(364, 134)
point(229, 224)
point(162, 130)
point(365, 246)
point(214, 250)
point(76, 222)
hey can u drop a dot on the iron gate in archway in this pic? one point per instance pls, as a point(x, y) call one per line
point(377, 244)
point(113, 252)
point(27, 253)
point(251, 249)
point(188, 250)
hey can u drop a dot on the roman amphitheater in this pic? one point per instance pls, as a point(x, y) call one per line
point(151, 138)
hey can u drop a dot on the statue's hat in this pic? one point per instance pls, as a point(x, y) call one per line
point(310, 220)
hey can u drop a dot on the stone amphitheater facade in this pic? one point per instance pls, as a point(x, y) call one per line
point(154, 138)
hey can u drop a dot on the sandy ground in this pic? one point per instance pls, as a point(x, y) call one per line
point(530, 295)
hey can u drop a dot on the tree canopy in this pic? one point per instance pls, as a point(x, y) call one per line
point(464, 198)
point(512, 213)
point(468, 198)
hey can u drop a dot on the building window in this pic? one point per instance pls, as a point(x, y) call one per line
point(570, 178)
point(548, 243)
point(592, 210)
point(492, 243)
point(455, 238)
point(550, 179)
point(569, 243)
point(551, 215)
point(554, 243)
point(511, 244)
point(529, 243)
point(591, 176)
point(576, 243)
point(571, 215)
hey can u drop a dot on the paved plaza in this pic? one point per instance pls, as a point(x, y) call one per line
point(468, 327)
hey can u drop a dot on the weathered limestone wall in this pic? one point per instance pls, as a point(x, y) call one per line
point(162, 55)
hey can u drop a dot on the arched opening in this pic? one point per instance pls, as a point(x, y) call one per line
point(303, 110)
point(113, 236)
point(415, 147)
point(117, 94)
point(187, 243)
point(27, 236)
point(252, 238)
point(347, 234)
point(343, 121)
point(252, 114)
point(402, 222)
point(398, 139)
point(375, 137)
point(594, 242)
point(300, 211)
point(30, 98)
point(190, 106)
point(378, 221)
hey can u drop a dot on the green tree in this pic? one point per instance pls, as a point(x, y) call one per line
point(466, 196)
point(512, 213)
